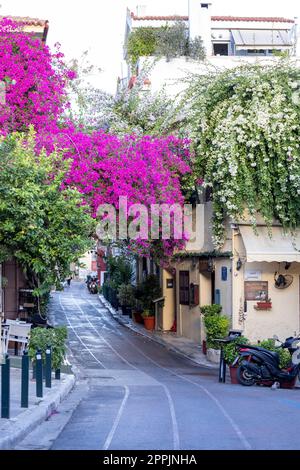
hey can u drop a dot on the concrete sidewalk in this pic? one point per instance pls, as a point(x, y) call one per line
point(24, 420)
point(178, 344)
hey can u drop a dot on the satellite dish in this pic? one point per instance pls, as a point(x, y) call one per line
point(282, 281)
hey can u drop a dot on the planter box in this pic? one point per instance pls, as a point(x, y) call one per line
point(263, 306)
point(213, 355)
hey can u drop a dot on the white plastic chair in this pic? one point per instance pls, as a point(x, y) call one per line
point(5, 329)
point(19, 333)
point(15, 322)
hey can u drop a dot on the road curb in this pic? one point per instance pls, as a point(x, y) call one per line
point(16, 429)
point(163, 343)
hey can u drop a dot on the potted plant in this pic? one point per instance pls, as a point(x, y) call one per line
point(209, 310)
point(41, 338)
point(149, 319)
point(146, 292)
point(126, 298)
point(216, 326)
point(230, 352)
point(137, 311)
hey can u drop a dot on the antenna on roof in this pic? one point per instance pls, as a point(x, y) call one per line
point(141, 10)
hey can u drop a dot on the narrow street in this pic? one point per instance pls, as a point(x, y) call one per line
point(141, 396)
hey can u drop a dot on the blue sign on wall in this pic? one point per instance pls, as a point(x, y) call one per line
point(224, 273)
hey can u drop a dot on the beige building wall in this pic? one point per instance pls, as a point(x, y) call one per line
point(85, 265)
point(283, 319)
point(224, 287)
point(204, 298)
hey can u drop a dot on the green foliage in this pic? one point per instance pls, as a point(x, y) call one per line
point(284, 355)
point(147, 291)
point(43, 226)
point(165, 41)
point(195, 49)
point(230, 349)
point(119, 271)
point(126, 295)
point(40, 338)
point(139, 112)
point(141, 42)
point(245, 124)
point(216, 325)
point(214, 309)
point(147, 313)
point(172, 41)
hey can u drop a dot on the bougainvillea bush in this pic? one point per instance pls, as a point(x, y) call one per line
point(245, 125)
point(146, 170)
point(102, 167)
point(35, 81)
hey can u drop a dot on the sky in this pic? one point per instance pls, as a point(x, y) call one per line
point(99, 25)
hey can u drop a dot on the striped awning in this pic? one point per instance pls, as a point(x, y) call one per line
point(260, 38)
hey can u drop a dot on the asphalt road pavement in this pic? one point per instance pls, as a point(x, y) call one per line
point(139, 395)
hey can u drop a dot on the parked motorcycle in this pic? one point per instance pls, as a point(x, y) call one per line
point(259, 366)
point(92, 284)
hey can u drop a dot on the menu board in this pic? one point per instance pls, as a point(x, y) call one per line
point(256, 290)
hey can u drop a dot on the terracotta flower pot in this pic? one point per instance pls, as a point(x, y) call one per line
point(137, 317)
point(149, 323)
point(233, 374)
point(288, 385)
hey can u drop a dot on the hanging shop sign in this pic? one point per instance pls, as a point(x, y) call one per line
point(256, 290)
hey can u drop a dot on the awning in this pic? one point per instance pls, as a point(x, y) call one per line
point(270, 38)
point(280, 247)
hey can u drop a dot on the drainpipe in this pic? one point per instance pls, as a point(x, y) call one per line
point(233, 277)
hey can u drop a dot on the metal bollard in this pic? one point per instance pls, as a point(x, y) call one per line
point(25, 380)
point(222, 367)
point(48, 366)
point(5, 388)
point(39, 373)
point(57, 374)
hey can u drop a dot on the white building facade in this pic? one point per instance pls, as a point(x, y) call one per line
point(228, 42)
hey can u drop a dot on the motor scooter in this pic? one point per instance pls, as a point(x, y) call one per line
point(257, 365)
point(93, 287)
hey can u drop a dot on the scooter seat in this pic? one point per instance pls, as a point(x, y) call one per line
point(274, 354)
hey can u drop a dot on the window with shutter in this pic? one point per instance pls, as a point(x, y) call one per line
point(184, 287)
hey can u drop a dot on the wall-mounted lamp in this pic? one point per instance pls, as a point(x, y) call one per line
point(239, 264)
point(210, 265)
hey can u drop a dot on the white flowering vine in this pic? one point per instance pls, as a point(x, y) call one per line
point(245, 125)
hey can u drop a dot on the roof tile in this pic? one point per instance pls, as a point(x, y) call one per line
point(26, 20)
point(272, 19)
